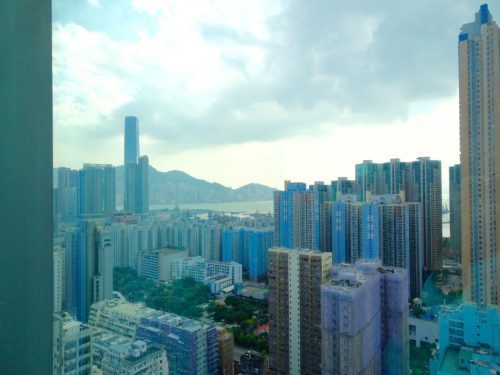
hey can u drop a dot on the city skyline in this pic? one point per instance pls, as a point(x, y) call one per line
point(225, 87)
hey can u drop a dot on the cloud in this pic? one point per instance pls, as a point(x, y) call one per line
point(94, 3)
point(205, 73)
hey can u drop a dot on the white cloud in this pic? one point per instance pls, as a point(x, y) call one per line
point(278, 89)
point(94, 3)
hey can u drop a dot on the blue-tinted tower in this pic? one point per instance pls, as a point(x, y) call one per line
point(370, 231)
point(131, 144)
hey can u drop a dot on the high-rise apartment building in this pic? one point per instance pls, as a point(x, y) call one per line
point(416, 181)
point(88, 268)
point(58, 257)
point(364, 320)
point(296, 223)
point(248, 246)
point(259, 242)
point(97, 189)
point(479, 94)
point(211, 242)
point(346, 229)
point(401, 237)
point(66, 194)
point(426, 186)
point(385, 228)
point(295, 278)
point(342, 186)
point(455, 208)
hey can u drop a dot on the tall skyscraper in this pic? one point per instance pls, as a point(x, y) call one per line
point(364, 320)
point(295, 278)
point(131, 144)
point(479, 93)
point(26, 190)
point(455, 208)
point(136, 196)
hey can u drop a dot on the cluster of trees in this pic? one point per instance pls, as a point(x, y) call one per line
point(181, 297)
point(249, 340)
point(245, 314)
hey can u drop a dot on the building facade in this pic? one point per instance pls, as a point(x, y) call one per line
point(479, 95)
point(295, 278)
point(416, 181)
point(455, 208)
point(225, 341)
point(248, 246)
point(469, 341)
point(295, 222)
point(88, 267)
point(72, 347)
point(364, 320)
point(97, 189)
point(191, 346)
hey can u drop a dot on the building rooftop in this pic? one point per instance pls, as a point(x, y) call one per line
point(177, 321)
point(217, 277)
point(123, 307)
point(168, 251)
point(129, 349)
point(346, 283)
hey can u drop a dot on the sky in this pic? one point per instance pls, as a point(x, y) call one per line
point(260, 90)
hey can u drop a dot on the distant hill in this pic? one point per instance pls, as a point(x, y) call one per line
point(179, 187)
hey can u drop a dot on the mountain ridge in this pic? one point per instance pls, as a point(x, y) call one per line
point(176, 186)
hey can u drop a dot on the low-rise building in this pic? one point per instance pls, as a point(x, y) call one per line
point(219, 284)
point(156, 264)
point(229, 274)
point(423, 329)
point(469, 341)
point(191, 346)
point(114, 354)
point(252, 363)
point(118, 315)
